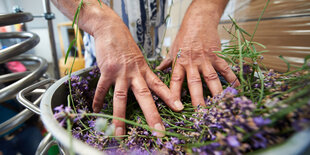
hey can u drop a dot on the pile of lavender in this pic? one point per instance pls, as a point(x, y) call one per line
point(229, 123)
point(266, 109)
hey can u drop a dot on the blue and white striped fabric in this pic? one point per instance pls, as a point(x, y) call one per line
point(145, 21)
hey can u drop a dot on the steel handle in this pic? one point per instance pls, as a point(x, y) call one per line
point(13, 76)
point(31, 40)
point(15, 18)
point(26, 103)
point(46, 143)
point(10, 91)
point(19, 118)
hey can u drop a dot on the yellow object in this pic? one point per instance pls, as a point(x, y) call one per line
point(79, 60)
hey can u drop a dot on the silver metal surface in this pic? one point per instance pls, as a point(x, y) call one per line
point(47, 10)
point(10, 91)
point(21, 95)
point(31, 41)
point(45, 145)
point(55, 96)
point(15, 18)
point(18, 119)
point(13, 76)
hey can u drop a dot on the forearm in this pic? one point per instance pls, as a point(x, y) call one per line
point(205, 12)
point(92, 18)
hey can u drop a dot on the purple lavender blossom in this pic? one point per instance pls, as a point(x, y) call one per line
point(169, 146)
point(233, 141)
point(230, 90)
point(175, 140)
point(260, 121)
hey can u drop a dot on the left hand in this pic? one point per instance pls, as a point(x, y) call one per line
point(195, 43)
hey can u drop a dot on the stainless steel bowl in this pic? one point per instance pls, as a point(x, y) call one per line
point(56, 95)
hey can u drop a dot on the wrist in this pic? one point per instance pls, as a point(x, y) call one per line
point(206, 11)
point(94, 19)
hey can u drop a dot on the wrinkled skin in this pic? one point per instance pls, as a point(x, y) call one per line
point(122, 64)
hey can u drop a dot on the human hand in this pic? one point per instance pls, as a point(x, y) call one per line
point(121, 63)
point(194, 45)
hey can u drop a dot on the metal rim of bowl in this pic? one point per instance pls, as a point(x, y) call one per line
point(53, 126)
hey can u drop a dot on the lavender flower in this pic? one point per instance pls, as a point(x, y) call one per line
point(259, 121)
point(233, 141)
point(231, 91)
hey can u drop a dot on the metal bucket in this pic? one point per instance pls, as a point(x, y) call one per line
point(56, 95)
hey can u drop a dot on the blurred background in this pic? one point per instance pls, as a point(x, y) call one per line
point(284, 28)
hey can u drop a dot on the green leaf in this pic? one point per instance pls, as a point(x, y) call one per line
point(77, 13)
point(264, 51)
point(69, 49)
point(259, 44)
point(258, 21)
point(305, 61)
point(286, 62)
point(100, 3)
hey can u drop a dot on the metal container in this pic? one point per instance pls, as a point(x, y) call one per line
point(57, 95)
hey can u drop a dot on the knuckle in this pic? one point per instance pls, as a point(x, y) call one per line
point(100, 90)
point(211, 76)
point(143, 92)
point(110, 68)
point(176, 78)
point(120, 94)
point(194, 80)
point(225, 70)
point(157, 83)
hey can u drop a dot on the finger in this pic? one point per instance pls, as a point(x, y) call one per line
point(161, 90)
point(195, 86)
point(103, 86)
point(223, 68)
point(165, 63)
point(177, 81)
point(119, 105)
point(211, 78)
point(146, 102)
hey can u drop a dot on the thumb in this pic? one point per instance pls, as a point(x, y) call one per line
point(165, 63)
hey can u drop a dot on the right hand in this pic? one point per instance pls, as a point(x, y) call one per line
point(121, 63)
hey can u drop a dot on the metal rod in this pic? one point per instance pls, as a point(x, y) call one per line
point(31, 41)
point(13, 76)
point(10, 91)
point(17, 119)
point(25, 102)
point(15, 18)
point(47, 10)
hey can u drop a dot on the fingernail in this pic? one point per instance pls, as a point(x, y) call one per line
point(159, 127)
point(96, 109)
point(179, 106)
point(119, 131)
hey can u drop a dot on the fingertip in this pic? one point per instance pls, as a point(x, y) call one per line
point(158, 68)
point(161, 130)
point(235, 83)
point(164, 64)
point(178, 106)
point(119, 131)
point(96, 109)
